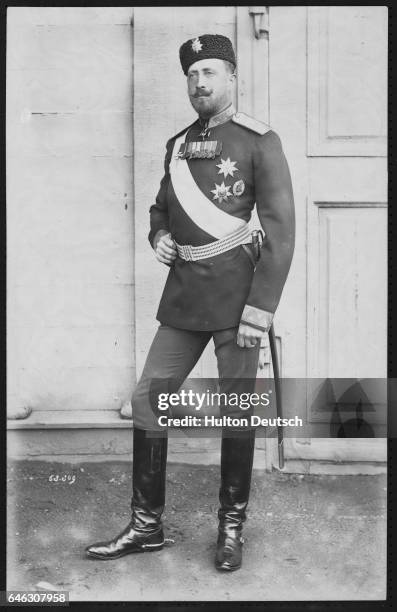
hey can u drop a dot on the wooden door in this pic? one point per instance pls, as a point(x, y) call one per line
point(328, 103)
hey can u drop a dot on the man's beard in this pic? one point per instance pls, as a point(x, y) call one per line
point(204, 106)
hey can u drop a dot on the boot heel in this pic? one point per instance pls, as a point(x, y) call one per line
point(151, 547)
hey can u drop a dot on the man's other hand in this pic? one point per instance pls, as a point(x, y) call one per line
point(164, 247)
point(247, 336)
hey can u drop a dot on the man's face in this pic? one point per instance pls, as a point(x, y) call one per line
point(210, 86)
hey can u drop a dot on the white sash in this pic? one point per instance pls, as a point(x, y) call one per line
point(200, 209)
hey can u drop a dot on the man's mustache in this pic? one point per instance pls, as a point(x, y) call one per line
point(199, 94)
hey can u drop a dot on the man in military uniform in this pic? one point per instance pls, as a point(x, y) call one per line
point(216, 170)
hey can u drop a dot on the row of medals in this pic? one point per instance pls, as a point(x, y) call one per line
point(209, 149)
point(204, 149)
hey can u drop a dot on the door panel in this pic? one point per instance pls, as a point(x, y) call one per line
point(347, 274)
point(328, 101)
point(347, 80)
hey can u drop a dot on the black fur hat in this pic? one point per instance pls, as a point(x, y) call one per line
point(206, 46)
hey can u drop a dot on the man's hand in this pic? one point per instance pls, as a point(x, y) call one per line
point(164, 247)
point(247, 336)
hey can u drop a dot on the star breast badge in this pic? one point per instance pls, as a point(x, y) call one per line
point(221, 192)
point(227, 167)
point(196, 45)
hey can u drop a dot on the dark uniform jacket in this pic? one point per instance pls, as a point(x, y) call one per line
point(249, 168)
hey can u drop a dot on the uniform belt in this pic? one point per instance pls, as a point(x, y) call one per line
point(192, 253)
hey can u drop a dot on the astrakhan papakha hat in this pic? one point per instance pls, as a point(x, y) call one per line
point(207, 46)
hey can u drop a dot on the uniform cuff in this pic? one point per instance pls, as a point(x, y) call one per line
point(256, 317)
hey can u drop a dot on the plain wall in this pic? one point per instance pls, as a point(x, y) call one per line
point(70, 207)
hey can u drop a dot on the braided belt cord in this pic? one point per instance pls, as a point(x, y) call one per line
point(192, 253)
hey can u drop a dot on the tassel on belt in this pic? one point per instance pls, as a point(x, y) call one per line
point(192, 253)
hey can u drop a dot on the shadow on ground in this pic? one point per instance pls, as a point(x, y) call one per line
point(306, 538)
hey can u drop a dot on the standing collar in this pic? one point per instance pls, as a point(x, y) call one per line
point(219, 118)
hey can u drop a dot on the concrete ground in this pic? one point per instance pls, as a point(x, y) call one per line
point(306, 538)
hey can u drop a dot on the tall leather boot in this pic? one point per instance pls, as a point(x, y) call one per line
point(145, 531)
point(237, 454)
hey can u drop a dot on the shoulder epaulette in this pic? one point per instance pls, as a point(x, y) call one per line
point(250, 123)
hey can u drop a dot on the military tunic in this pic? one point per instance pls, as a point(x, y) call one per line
point(249, 168)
